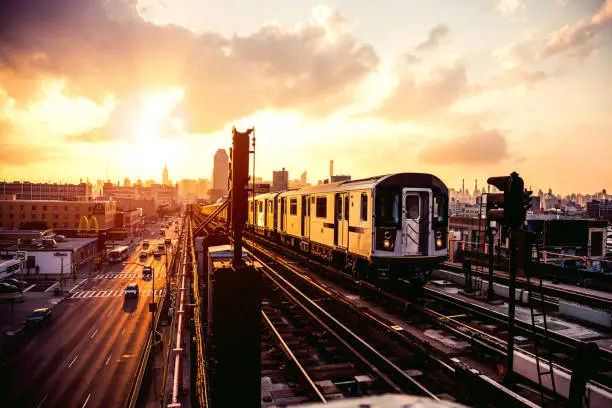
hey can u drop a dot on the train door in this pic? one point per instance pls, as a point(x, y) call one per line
point(305, 216)
point(283, 210)
point(411, 222)
point(265, 213)
point(341, 220)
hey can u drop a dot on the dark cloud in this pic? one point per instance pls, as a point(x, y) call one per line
point(413, 100)
point(103, 47)
point(477, 148)
point(436, 35)
point(17, 155)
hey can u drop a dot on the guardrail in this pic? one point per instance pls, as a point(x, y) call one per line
point(143, 362)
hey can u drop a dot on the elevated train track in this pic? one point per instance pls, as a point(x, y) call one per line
point(456, 376)
point(479, 333)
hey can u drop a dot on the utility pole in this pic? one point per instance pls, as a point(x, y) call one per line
point(62, 274)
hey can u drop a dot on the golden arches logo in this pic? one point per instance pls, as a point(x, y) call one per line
point(83, 224)
point(93, 223)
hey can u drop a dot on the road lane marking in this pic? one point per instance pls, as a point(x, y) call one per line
point(123, 331)
point(109, 313)
point(50, 288)
point(73, 360)
point(108, 359)
point(28, 288)
point(40, 404)
point(94, 334)
point(86, 401)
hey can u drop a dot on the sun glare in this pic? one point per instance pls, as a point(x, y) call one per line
point(154, 123)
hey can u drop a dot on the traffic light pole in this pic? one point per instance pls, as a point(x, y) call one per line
point(490, 293)
point(508, 377)
point(509, 210)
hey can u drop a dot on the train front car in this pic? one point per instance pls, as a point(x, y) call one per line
point(410, 228)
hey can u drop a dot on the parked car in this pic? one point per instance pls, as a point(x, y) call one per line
point(157, 255)
point(145, 244)
point(15, 282)
point(131, 290)
point(8, 288)
point(143, 256)
point(39, 317)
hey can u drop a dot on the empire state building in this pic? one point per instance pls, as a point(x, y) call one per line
point(165, 175)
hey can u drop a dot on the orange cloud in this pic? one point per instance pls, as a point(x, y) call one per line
point(105, 47)
point(24, 155)
point(475, 149)
point(413, 99)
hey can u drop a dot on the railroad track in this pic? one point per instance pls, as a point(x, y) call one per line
point(439, 374)
point(318, 363)
point(551, 294)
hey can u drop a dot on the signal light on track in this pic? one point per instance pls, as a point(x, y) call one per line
point(509, 207)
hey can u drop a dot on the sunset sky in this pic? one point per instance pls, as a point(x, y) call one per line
point(458, 88)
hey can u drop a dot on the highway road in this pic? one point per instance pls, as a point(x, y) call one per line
point(88, 355)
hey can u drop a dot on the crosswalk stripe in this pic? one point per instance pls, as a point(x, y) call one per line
point(97, 293)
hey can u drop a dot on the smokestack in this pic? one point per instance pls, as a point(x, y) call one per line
point(331, 170)
point(476, 184)
point(463, 186)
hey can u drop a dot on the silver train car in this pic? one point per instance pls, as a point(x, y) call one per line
point(381, 229)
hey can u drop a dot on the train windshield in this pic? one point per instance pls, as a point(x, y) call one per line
point(440, 211)
point(388, 208)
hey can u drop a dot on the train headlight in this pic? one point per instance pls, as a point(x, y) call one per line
point(387, 244)
point(438, 243)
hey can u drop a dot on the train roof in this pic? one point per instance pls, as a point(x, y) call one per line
point(267, 195)
point(414, 180)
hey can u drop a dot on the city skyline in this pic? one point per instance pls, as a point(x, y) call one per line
point(430, 96)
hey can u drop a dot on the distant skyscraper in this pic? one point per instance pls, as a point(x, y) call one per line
point(165, 175)
point(280, 180)
point(220, 171)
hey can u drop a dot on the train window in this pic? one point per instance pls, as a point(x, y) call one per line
point(440, 211)
point(338, 207)
point(260, 206)
point(412, 207)
point(364, 206)
point(293, 206)
point(388, 206)
point(251, 206)
point(346, 207)
point(321, 211)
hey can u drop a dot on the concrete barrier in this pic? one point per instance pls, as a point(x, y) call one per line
point(525, 366)
point(586, 314)
point(500, 290)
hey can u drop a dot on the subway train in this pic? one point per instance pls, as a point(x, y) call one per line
point(390, 228)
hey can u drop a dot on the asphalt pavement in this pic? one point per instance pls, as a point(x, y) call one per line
point(88, 355)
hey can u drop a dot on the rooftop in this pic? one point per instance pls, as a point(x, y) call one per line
point(53, 201)
point(70, 244)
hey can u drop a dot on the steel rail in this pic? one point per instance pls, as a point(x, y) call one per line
point(179, 337)
point(293, 359)
point(352, 341)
